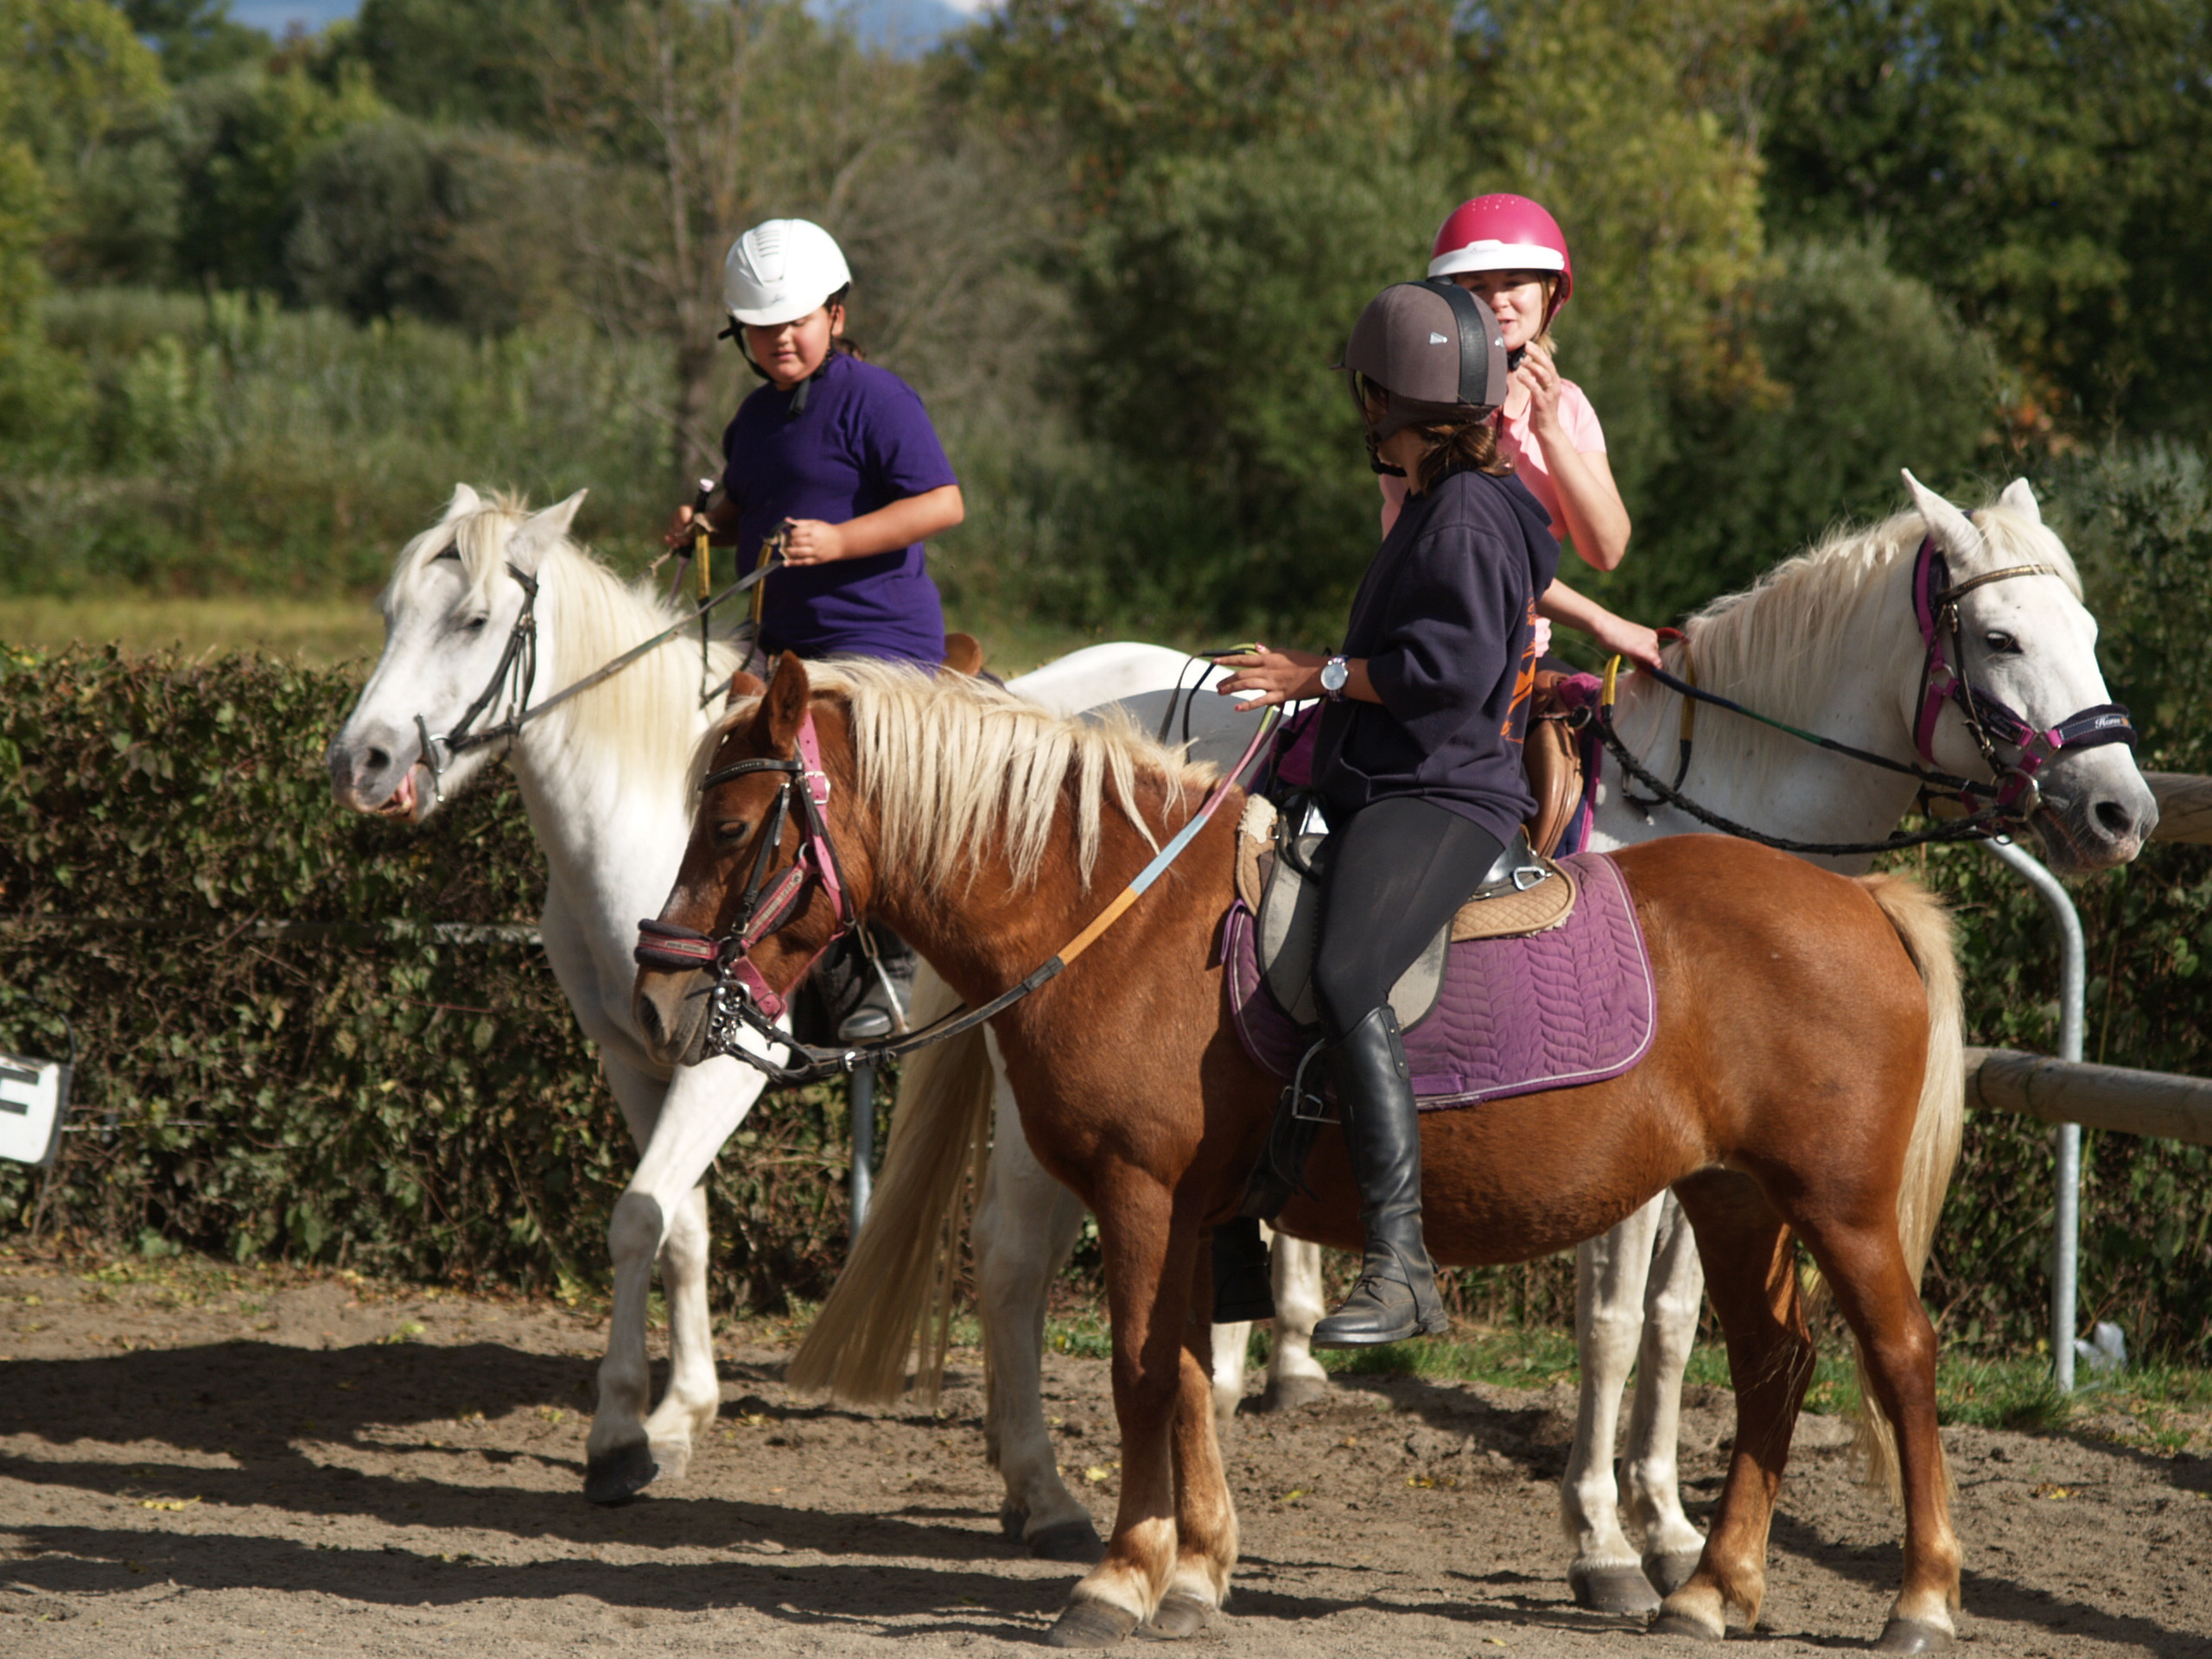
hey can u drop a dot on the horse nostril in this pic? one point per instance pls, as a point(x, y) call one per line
point(649, 1021)
point(378, 759)
point(2114, 819)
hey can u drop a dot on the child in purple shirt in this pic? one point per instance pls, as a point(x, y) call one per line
point(838, 449)
point(841, 455)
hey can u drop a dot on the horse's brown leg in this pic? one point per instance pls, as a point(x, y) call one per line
point(1751, 1272)
point(1149, 1258)
point(1205, 1518)
point(1866, 1269)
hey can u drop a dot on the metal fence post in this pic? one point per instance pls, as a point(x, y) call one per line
point(2066, 1220)
point(862, 1099)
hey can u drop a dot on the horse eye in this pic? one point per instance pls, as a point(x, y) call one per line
point(2002, 645)
point(732, 831)
point(476, 624)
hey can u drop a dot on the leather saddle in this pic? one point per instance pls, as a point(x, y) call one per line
point(1279, 879)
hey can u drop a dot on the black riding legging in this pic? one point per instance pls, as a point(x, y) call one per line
point(1396, 874)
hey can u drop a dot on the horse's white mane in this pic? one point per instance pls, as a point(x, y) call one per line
point(1783, 644)
point(951, 762)
point(648, 715)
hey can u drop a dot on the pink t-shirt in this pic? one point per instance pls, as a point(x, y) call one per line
point(1575, 414)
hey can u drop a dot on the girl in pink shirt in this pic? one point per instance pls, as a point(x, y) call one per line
point(1511, 253)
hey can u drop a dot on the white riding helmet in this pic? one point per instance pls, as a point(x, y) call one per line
point(781, 269)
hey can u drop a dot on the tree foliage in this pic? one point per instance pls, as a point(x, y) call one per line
point(2045, 164)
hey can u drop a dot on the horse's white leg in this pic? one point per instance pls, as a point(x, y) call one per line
point(1607, 1573)
point(1025, 1226)
point(1229, 1344)
point(665, 1207)
point(1671, 1544)
point(1295, 1376)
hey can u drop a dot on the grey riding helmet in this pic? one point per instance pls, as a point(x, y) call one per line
point(1433, 349)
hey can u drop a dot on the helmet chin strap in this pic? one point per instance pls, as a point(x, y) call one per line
point(735, 331)
point(1374, 457)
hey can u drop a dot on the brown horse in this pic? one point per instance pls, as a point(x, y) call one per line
point(1803, 1085)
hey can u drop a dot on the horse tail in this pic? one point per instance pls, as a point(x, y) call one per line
point(896, 1289)
point(1924, 927)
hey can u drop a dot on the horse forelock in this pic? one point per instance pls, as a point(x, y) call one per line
point(951, 764)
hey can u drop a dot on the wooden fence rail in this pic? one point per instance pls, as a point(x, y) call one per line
point(2184, 806)
point(2154, 1103)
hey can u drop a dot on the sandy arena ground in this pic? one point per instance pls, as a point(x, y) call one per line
point(291, 1464)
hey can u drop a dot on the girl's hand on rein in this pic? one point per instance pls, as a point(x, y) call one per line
point(679, 529)
point(1633, 641)
point(1541, 376)
point(1274, 677)
point(810, 541)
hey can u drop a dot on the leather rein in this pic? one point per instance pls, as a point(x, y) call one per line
point(743, 999)
point(2012, 795)
point(516, 671)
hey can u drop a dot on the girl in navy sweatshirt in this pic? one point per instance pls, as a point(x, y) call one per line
point(1418, 760)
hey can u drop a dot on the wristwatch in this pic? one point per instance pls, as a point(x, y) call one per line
point(1335, 674)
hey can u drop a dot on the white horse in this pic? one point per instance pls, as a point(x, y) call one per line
point(603, 780)
point(1829, 641)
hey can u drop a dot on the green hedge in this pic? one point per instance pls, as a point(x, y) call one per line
point(370, 1096)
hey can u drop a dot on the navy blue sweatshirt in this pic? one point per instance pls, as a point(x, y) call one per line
point(1445, 617)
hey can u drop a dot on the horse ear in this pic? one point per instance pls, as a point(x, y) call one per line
point(1945, 522)
point(782, 707)
point(465, 500)
point(741, 686)
point(535, 536)
point(2020, 497)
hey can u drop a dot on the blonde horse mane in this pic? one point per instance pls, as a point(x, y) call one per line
point(949, 763)
point(647, 714)
point(1785, 643)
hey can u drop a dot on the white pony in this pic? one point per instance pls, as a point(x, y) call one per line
point(603, 780)
point(1828, 640)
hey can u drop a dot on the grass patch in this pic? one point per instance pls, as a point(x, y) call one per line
point(323, 631)
point(1085, 1334)
point(342, 629)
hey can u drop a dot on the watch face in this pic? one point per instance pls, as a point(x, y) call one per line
point(1334, 673)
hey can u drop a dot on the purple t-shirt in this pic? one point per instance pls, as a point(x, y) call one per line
point(863, 442)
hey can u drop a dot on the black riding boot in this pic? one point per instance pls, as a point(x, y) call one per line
point(1242, 1288)
point(1396, 1296)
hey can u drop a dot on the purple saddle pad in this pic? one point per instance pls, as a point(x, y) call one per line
point(1515, 1016)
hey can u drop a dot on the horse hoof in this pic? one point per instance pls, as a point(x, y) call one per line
point(1611, 1589)
point(1684, 1625)
point(1090, 1624)
point(1288, 1393)
point(1913, 1635)
point(674, 1460)
point(1013, 1522)
point(1670, 1572)
point(1179, 1615)
point(1077, 1541)
point(616, 1476)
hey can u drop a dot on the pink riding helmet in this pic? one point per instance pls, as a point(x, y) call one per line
point(1504, 232)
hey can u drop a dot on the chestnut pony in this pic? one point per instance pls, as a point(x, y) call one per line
point(1803, 1085)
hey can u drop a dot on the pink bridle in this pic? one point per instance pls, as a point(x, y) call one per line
point(670, 945)
point(1991, 721)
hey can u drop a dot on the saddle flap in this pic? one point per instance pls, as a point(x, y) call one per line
point(1521, 894)
point(1290, 921)
point(1553, 762)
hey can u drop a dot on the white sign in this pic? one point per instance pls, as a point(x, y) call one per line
point(33, 1099)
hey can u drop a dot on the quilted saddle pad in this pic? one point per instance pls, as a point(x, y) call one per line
point(1550, 1010)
